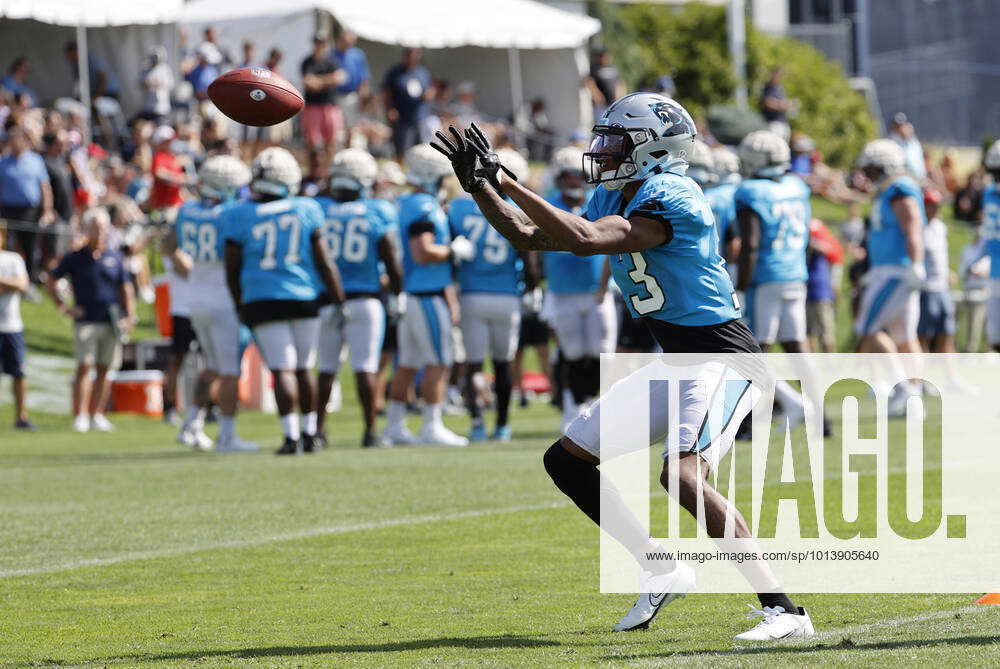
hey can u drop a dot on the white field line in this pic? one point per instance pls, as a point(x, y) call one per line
point(274, 538)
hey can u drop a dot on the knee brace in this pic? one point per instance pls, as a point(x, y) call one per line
point(577, 479)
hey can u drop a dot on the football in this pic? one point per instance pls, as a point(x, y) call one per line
point(255, 96)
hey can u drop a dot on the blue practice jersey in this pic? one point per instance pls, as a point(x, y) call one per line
point(567, 273)
point(497, 265)
point(784, 211)
point(421, 212)
point(199, 230)
point(351, 234)
point(275, 236)
point(683, 280)
point(886, 242)
point(722, 199)
point(991, 228)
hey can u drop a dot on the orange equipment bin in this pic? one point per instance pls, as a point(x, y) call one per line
point(138, 391)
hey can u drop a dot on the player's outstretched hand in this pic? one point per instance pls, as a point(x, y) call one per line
point(491, 166)
point(462, 157)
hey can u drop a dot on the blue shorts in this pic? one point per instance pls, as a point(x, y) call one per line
point(12, 354)
point(937, 314)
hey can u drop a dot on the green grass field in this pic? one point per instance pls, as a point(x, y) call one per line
point(129, 550)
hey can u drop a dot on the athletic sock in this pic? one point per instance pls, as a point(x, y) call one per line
point(227, 428)
point(789, 400)
point(395, 414)
point(309, 421)
point(504, 386)
point(290, 426)
point(195, 417)
point(773, 599)
point(432, 414)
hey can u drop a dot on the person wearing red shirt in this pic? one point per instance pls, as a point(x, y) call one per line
point(168, 175)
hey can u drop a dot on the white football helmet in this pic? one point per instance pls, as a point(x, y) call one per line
point(701, 165)
point(727, 165)
point(764, 154)
point(639, 135)
point(514, 162)
point(221, 177)
point(883, 154)
point(425, 167)
point(566, 159)
point(992, 159)
point(275, 172)
point(353, 170)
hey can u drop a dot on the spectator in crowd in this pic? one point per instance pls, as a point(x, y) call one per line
point(205, 72)
point(775, 105)
point(157, 80)
point(803, 149)
point(103, 82)
point(541, 134)
point(969, 199)
point(604, 83)
point(355, 92)
point(276, 135)
point(210, 37)
point(104, 307)
point(14, 82)
point(249, 55)
point(824, 257)
point(464, 109)
point(406, 92)
point(13, 283)
point(25, 194)
point(974, 268)
point(136, 149)
point(169, 177)
point(322, 119)
point(60, 175)
point(902, 133)
point(936, 328)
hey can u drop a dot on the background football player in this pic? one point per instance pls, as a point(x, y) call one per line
point(357, 236)
point(199, 247)
point(722, 198)
point(656, 227)
point(890, 301)
point(274, 252)
point(491, 286)
point(425, 340)
point(581, 309)
point(991, 237)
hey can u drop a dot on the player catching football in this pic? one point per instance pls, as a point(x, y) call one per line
point(657, 228)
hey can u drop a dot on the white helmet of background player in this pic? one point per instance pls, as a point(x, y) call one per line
point(701, 165)
point(514, 162)
point(727, 165)
point(764, 154)
point(353, 170)
point(992, 159)
point(882, 158)
point(639, 135)
point(276, 172)
point(425, 168)
point(568, 172)
point(221, 177)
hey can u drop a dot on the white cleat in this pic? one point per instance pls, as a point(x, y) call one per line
point(81, 423)
point(193, 437)
point(236, 445)
point(898, 400)
point(666, 587)
point(399, 436)
point(777, 624)
point(100, 423)
point(439, 435)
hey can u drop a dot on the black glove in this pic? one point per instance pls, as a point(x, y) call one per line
point(463, 160)
point(488, 159)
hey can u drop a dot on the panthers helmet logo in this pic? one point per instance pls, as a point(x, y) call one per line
point(673, 119)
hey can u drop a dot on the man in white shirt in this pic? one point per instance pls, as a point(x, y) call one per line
point(13, 282)
point(936, 328)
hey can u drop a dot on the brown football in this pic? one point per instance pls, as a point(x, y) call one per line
point(255, 96)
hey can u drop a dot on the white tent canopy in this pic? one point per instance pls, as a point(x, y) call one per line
point(433, 24)
point(93, 13)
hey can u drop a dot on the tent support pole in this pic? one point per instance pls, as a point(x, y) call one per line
point(516, 92)
point(736, 32)
point(83, 77)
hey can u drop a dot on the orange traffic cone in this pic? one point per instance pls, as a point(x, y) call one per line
point(989, 598)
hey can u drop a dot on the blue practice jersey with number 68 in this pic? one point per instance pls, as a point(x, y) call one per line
point(783, 208)
point(199, 230)
point(351, 234)
point(497, 266)
point(681, 281)
point(991, 228)
point(275, 238)
point(420, 213)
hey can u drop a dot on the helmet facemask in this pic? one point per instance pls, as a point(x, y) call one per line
point(610, 161)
